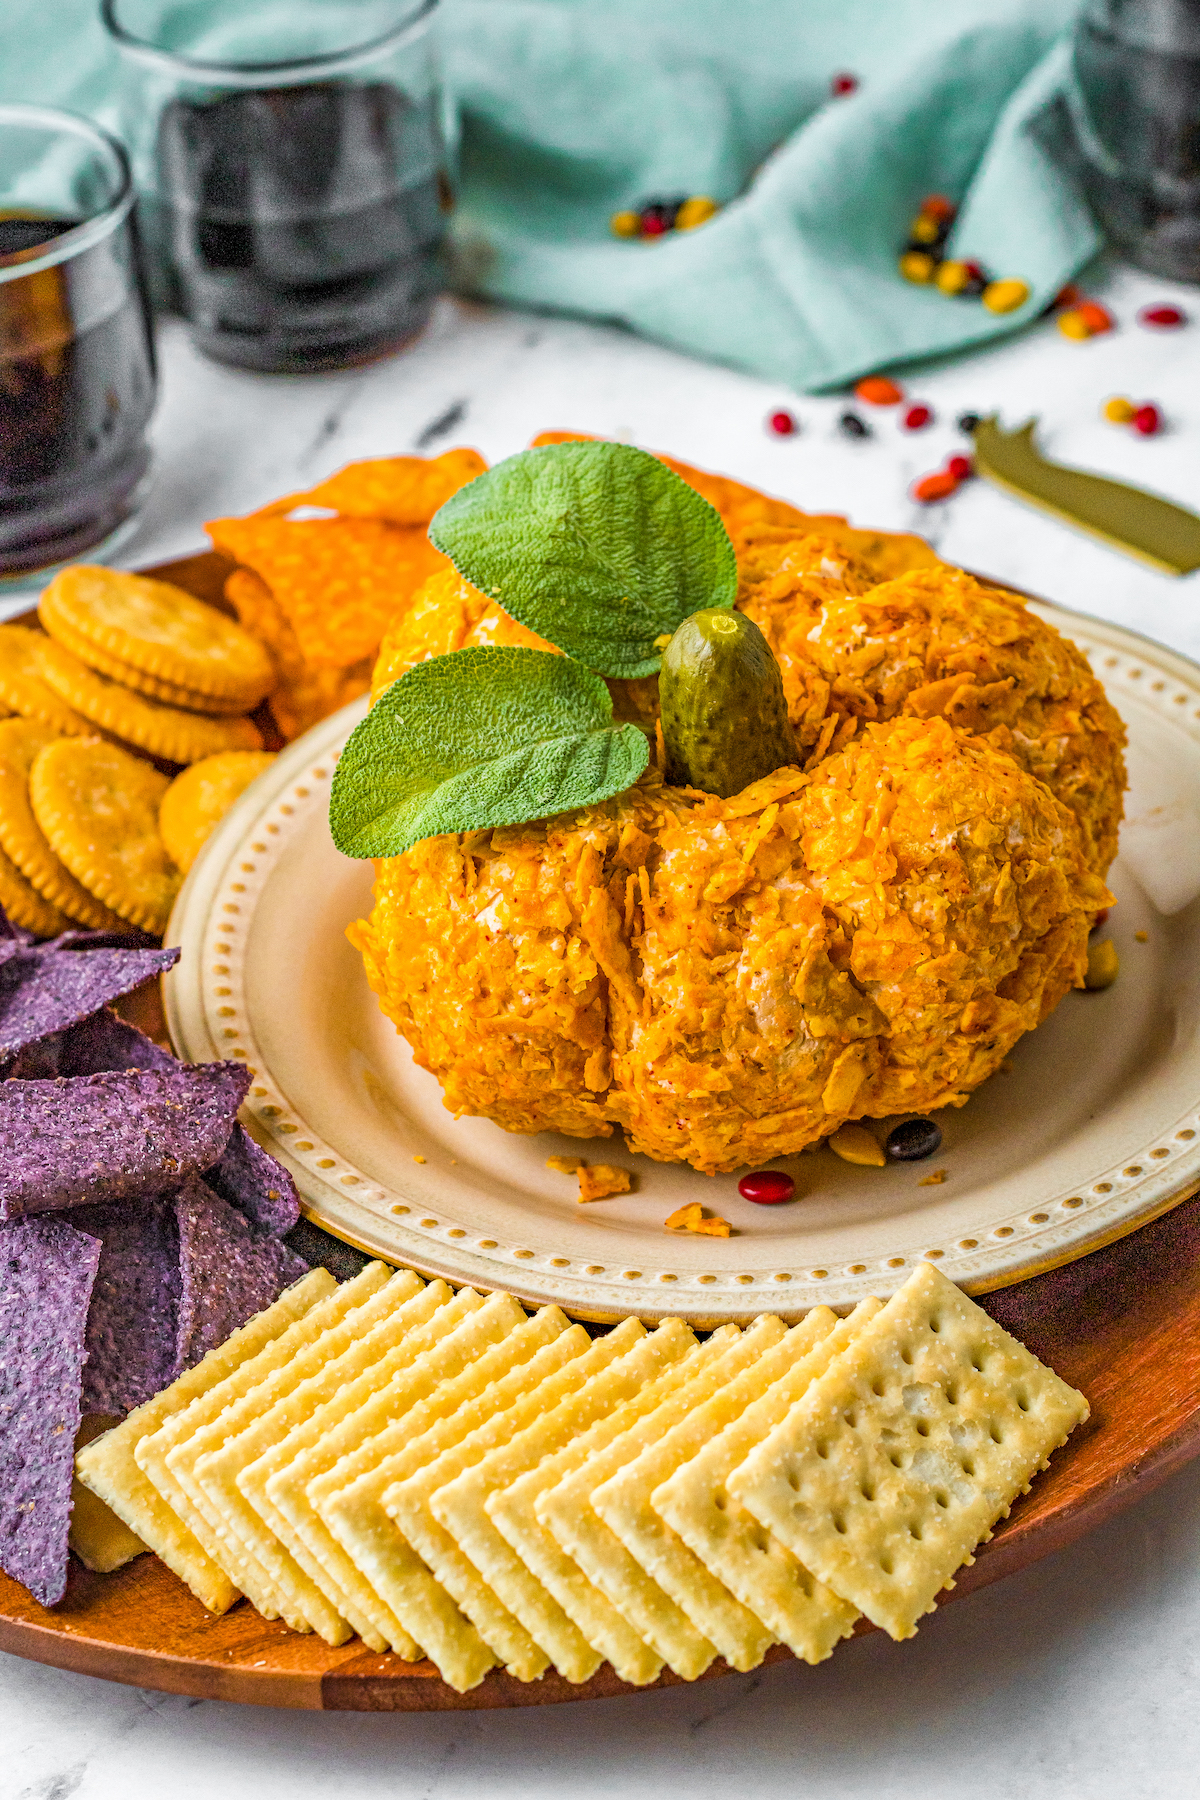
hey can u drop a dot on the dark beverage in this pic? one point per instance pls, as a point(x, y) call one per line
point(299, 225)
point(76, 391)
point(1136, 104)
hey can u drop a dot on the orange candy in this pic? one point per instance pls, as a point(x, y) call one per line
point(1097, 318)
point(877, 390)
point(935, 487)
point(938, 207)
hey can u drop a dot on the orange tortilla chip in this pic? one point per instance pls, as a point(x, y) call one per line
point(403, 490)
point(737, 504)
point(337, 581)
point(304, 694)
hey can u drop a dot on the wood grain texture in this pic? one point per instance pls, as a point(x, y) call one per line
point(1122, 1324)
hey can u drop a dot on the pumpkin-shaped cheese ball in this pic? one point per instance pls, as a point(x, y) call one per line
point(731, 980)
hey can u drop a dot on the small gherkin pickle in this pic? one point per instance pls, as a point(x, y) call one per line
point(1103, 965)
point(724, 717)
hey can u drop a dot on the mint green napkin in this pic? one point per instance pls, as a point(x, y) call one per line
point(570, 110)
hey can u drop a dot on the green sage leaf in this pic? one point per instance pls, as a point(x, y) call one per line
point(599, 548)
point(475, 739)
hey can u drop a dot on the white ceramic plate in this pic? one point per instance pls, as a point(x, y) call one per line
point(1095, 1129)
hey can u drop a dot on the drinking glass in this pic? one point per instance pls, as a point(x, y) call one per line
point(77, 379)
point(289, 163)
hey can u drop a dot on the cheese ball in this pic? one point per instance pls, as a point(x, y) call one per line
point(732, 980)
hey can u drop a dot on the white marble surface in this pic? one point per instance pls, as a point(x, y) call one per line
point(1079, 1678)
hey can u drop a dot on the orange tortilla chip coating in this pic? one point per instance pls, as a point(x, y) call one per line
point(304, 694)
point(338, 581)
point(446, 614)
point(403, 490)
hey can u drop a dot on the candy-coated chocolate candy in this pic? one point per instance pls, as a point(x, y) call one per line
point(851, 426)
point(924, 230)
point(1097, 318)
point(961, 467)
point(1119, 410)
point(782, 424)
point(626, 224)
point(968, 422)
point(938, 207)
point(877, 390)
point(843, 84)
point(1005, 296)
point(654, 226)
point(695, 212)
point(917, 265)
point(1068, 296)
point(1147, 421)
point(767, 1187)
point(1162, 316)
point(935, 487)
point(1072, 324)
point(913, 1140)
point(952, 276)
point(917, 417)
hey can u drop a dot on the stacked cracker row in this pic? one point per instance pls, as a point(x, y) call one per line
point(126, 669)
point(445, 1475)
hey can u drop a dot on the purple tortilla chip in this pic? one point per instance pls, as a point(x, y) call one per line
point(43, 989)
point(15, 934)
point(47, 1271)
point(246, 1175)
point(96, 1138)
point(226, 1273)
point(134, 1319)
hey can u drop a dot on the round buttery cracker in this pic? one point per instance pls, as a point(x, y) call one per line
point(166, 731)
point(98, 806)
point(22, 687)
point(25, 907)
point(116, 670)
point(196, 801)
point(161, 631)
point(24, 844)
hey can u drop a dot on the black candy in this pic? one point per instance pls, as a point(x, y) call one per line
point(851, 426)
point(968, 422)
point(913, 1140)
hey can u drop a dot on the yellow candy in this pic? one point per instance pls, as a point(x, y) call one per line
point(916, 265)
point(625, 224)
point(855, 1144)
point(695, 212)
point(952, 276)
point(1072, 324)
point(1005, 296)
point(924, 229)
point(1118, 410)
point(1103, 965)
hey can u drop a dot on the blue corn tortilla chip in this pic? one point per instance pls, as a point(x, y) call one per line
point(47, 1272)
point(133, 1323)
point(226, 1273)
point(10, 933)
point(44, 989)
point(251, 1180)
point(97, 1138)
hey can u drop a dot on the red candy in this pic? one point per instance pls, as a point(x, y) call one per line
point(916, 417)
point(1164, 316)
point(842, 85)
point(782, 424)
point(767, 1187)
point(1147, 420)
point(960, 467)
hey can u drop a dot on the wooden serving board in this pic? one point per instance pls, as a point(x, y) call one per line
point(1122, 1324)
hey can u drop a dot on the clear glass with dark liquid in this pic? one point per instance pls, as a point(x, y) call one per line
point(294, 207)
point(77, 380)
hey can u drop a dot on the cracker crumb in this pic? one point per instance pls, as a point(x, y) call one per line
point(1143, 937)
point(933, 1180)
point(601, 1181)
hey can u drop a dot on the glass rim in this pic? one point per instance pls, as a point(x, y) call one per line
point(252, 74)
point(92, 231)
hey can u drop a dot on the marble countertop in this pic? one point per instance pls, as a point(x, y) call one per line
point(1080, 1677)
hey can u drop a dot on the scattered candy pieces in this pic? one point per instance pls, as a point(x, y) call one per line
point(843, 84)
point(1147, 421)
point(855, 1144)
point(961, 467)
point(696, 211)
point(913, 1140)
point(877, 390)
point(1067, 296)
point(952, 276)
point(935, 487)
point(1103, 965)
point(653, 226)
point(655, 218)
point(783, 424)
point(1163, 318)
point(1097, 318)
point(1119, 410)
point(1005, 296)
point(626, 224)
point(918, 266)
point(1073, 325)
point(917, 417)
point(851, 426)
point(968, 422)
point(767, 1187)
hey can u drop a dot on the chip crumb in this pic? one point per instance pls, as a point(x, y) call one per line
point(601, 1181)
point(565, 1165)
point(419, 1159)
point(692, 1218)
point(1143, 937)
point(933, 1180)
